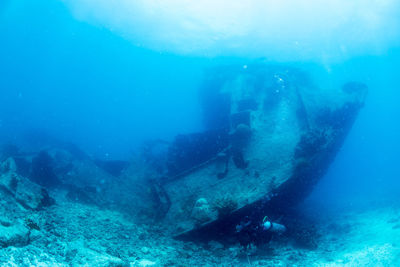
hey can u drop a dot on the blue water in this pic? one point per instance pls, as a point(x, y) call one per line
point(68, 72)
point(82, 83)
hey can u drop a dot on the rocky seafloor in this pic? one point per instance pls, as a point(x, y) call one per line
point(73, 234)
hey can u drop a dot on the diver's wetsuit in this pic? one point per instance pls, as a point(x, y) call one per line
point(252, 233)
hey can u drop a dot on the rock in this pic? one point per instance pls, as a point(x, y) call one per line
point(13, 235)
point(27, 193)
point(31, 195)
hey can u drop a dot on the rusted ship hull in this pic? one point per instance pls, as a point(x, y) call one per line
point(272, 133)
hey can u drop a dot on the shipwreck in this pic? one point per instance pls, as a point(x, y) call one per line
point(270, 135)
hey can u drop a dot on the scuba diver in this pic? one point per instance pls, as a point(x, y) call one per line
point(249, 232)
